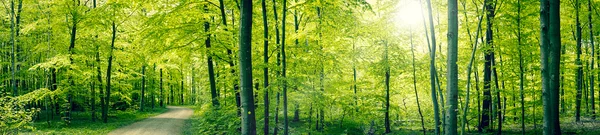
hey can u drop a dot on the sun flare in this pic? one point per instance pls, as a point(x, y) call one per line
point(408, 13)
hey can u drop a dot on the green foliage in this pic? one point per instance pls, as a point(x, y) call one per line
point(15, 116)
point(210, 120)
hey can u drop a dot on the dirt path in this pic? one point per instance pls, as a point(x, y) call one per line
point(169, 123)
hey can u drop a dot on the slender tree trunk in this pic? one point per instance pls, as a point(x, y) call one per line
point(73, 38)
point(521, 70)
point(432, 71)
point(484, 124)
point(590, 22)
point(153, 84)
point(550, 61)
point(109, 68)
point(412, 50)
point(162, 97)
point(265, 69)
point(277, 42)
point(579, 77)
point(387, 89)
point(93, 100)
point(12, 54)
point(475, 43)
point(276, 128)
point(211, 71)
point(283, 72)
point(100, 86)
point(143, 87)
point(230, 54)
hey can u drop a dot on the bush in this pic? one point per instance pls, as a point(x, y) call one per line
point(14, 116)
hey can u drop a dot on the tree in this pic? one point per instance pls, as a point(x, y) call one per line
point(593, 52)
point(578, 62)
point(452, 103)
point(484, 124)
point(265, 69)
point(283, 72)
point(432, 71)
point(211, 71)
point(143, 87)
point(387, 88)
point(247, 97)
point(550, 63)
point(109, 72)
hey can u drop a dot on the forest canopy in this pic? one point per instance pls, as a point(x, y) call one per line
point(303, 66)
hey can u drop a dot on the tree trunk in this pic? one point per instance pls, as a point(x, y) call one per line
point(484, 124)
point(432, 71)
point(592, 64)
point(578, 63)
point(153, 84)
point(283, 71)
point(550, 62)
point(265, 69)
point(108, 70)
point(387, 88)
point(162, 97)
point(412, 50)
point(247, 98)
point(521, 70)
point(452, 103)
point(276, 128)
point(475, 43)
point(211, 71)
point(143, 87)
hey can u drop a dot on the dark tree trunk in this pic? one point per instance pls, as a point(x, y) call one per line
point(593, 56)
point(265, 69)
point(108, 71)
point(211, 71)
point(143, 87)
point(247, 98)
point(484, 124)
point(579, 77)
point(387, 89)
point(283, 71)
point(521, 68)
point(162, 97)
point(550, 62)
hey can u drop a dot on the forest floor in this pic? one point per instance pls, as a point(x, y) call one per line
point(82, 124)
point(169, 123)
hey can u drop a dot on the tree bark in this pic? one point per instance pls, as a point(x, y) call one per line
point(108, 70)
point(578, 63)
point(211, 71)
point(247, 97)
point(521, 69)
point(452, 103)
point(265, 69)
point(469, 67)
point(484, 124)
point(593, 56)
point(387, 88)
point(412, 50)
point(550, 46)
point(432, 71)
point(283, 71)
point(143, 87)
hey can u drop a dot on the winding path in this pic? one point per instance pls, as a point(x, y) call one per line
point(169, 123)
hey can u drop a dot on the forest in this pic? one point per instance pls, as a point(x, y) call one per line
point(207, 67)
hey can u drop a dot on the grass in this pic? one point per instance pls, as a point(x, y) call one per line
point(82, 123)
